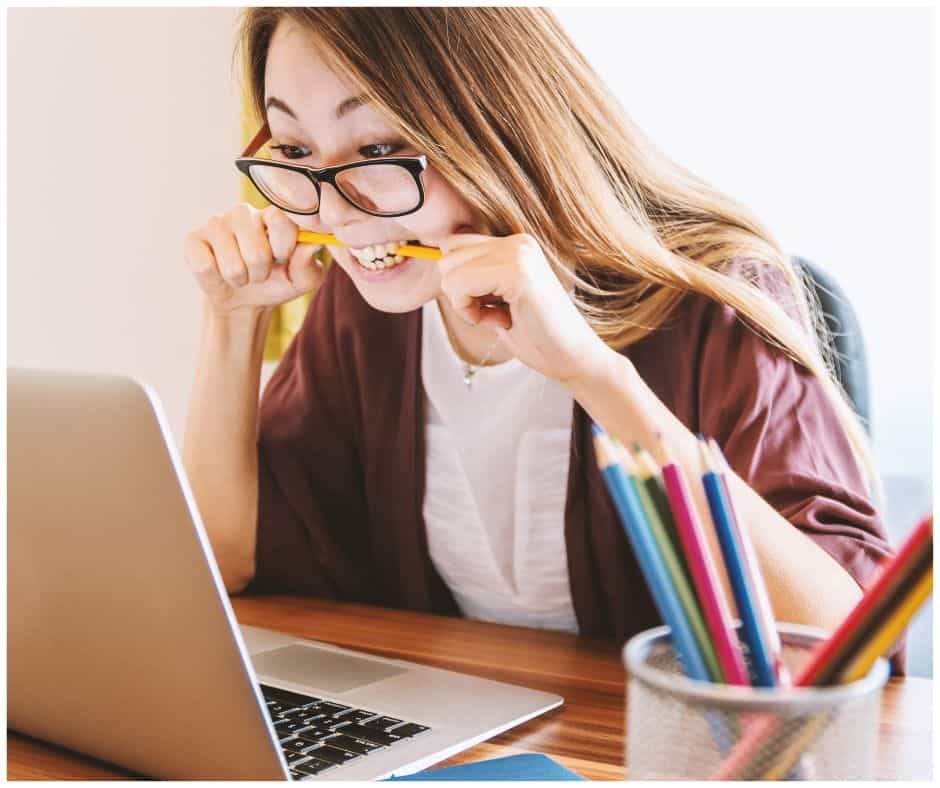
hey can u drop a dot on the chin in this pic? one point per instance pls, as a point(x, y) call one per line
point(405, 292)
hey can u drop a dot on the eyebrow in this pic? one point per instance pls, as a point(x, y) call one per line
point(345, 107)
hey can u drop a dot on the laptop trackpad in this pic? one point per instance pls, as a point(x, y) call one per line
point(317, 667)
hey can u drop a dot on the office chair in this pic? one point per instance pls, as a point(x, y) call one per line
point(846, 336)
point(906, 499)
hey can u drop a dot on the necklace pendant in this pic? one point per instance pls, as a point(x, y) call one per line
point(468, 372)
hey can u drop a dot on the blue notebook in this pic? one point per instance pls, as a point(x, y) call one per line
point(513, 767)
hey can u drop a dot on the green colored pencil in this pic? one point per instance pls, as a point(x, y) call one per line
point(680, 577)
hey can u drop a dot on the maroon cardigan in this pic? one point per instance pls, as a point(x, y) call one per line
point(341, 459)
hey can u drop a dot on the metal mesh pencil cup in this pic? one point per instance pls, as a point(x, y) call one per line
point(679, 729)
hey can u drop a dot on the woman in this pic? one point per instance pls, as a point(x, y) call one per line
point(425, 441)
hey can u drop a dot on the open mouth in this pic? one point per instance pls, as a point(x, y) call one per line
point(381, 256)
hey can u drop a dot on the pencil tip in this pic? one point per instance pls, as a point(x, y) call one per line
point(595, 430)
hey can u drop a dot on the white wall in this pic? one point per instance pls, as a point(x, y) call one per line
point(122, 128)
point(819, 120)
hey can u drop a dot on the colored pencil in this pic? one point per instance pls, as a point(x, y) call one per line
point(833, 651)
point(763, 608)
point(882, 640)
point(843, 647)
point(870, 624)
point(760, 658)
point(703, 571)
point(651, 475)
point(647, 555)
point(645, 490)
point(891, 631)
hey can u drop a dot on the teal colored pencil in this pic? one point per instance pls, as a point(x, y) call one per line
point(679, 576)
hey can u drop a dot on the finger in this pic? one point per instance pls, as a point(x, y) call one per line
point(304, 269)
point(282, 233)
point(226, 251)
point(202, 262)
point(452, 241)
point(478, 278)
point(496, 315)
point(456, 258)
point(252, 242)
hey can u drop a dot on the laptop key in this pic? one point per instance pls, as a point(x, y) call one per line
point(360, 746)
point(358, 715)
point(316, 734)
point(291, 726)
point(286, 696)
point(383, 723)
point(332, 708)
point(333, 754)
point(313, 766)
point(409, 729)
point(294, 714)
point(333, 722)
point(275, 707)
point(298, 745)
point(292, 757)
point(370, 734)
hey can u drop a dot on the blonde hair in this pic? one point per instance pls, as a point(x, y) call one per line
point(506, 108)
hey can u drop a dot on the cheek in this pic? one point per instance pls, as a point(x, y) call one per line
point(443, 211)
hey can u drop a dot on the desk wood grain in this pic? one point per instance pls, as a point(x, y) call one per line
point(586, 734)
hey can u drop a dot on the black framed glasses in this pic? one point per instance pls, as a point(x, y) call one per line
point(389, 186)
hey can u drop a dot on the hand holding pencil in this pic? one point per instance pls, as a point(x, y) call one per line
point(248, 260)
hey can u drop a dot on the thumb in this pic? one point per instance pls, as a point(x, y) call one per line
point(304, 269)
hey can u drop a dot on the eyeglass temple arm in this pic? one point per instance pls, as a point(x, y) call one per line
point(263, 135)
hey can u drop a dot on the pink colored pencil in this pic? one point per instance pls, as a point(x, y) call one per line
point(704, 575)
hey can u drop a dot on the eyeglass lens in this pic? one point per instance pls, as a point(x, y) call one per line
point(380, 188)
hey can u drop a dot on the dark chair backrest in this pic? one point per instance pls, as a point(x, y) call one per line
point(846, 336)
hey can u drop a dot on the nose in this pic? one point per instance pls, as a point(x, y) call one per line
point(336, 210)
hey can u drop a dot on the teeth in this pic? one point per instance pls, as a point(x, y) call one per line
point(379, 256)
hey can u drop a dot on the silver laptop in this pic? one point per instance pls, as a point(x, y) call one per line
point(122, 643)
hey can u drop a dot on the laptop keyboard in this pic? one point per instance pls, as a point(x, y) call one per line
point(317, 735)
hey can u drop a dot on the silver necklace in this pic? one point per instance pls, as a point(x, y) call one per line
point(469, 370)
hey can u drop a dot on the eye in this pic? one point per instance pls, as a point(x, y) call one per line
point(369, 151)
point(291, 151)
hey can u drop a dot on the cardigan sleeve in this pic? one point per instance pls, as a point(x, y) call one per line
point(781, 434)
point(312, 517)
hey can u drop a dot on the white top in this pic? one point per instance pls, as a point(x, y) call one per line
point(496, 484)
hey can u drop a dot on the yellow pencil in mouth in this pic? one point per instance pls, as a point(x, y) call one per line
point(328, 239)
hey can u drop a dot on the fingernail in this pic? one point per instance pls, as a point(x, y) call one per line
point(469, 323)
point(280, 260)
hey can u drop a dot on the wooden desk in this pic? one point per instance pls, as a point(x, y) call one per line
point(586, 734)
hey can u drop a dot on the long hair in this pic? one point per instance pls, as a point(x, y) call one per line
point(507, 109)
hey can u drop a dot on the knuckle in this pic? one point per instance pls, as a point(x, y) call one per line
point(244, 210)
point(217, 222)
point(238, 278)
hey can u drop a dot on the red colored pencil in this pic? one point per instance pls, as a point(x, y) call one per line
point(832, 651)
point(704, 574)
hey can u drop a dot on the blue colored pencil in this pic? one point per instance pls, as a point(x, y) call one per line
point(651, 562)
point(766, 619)
point(731, 550)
